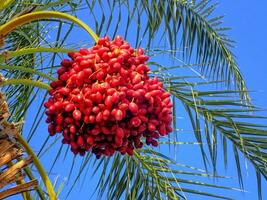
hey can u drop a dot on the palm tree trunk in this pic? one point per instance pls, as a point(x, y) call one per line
point(12, 161)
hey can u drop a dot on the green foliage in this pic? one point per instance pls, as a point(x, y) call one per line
point(217, 115)
point(188, 25)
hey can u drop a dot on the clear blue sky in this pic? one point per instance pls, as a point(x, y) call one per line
point(248, 20)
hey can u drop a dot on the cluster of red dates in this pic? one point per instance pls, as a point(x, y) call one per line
point(104, 100)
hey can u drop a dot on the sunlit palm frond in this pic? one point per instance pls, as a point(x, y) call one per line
point(215, 113)
point(24, 66)
point(147, 175)
point(191, 26)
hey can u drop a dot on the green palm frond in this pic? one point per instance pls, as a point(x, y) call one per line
point(148, 175)
point(216, 115)
point(24, 66)
point(209, 110)
point(222, 113)
point(191, 26)
point(217, 111)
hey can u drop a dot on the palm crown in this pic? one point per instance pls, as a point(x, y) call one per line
point(189, 51)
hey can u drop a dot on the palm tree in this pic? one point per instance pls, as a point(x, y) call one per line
point(189, 50)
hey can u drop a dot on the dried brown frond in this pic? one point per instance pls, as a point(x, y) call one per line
point(12, 161)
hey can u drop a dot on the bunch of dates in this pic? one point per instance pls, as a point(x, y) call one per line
point(104, 101)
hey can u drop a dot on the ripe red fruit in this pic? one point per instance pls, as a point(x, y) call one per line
point(90, 140)
point(162, 129)
point(141, 68)
point(115, 97)
point(136, 79)
point(84, 63)
point(80, 75)
point(117, 66)
point(98, 97)
point(69, 107)
point(123, 106)
point(66, 63)
point(135, 122)
point(106, 131)
point(51, 130)
point(119, 133)
point(133, 107)
point(80, 141)
point(86, 119)
point(118, 115)
point(52, 108)
point(91, 119)
point(77, 115)
point(118, 141)
point(87, 72)
point(142, 128)
point(59, 119)
point(64, 91)
point(108, 101)
point(58, 105)
point(95, 109)
point(74, 146)
point(130, 151)
point(88, 102)
point(151, 127)
point(165, 95)
point(104, 101)
point(73, 129)
point(68, 120)
point(140, 51)
point(47, 104)
point(154, 143)
point(79, 81)
point(53, 84)
point(86, 111)
point(99, 117)
point(78, 98)
point(106, 113)
point(115, 82)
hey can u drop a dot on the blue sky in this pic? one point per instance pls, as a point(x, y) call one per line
point(249, 30)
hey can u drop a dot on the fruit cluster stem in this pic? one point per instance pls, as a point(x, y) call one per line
point(5, 3)
point(37, 163)
point(40, 15)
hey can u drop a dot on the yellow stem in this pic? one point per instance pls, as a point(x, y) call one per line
point(38, 165)
point(5, 3)
point(40, 15)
